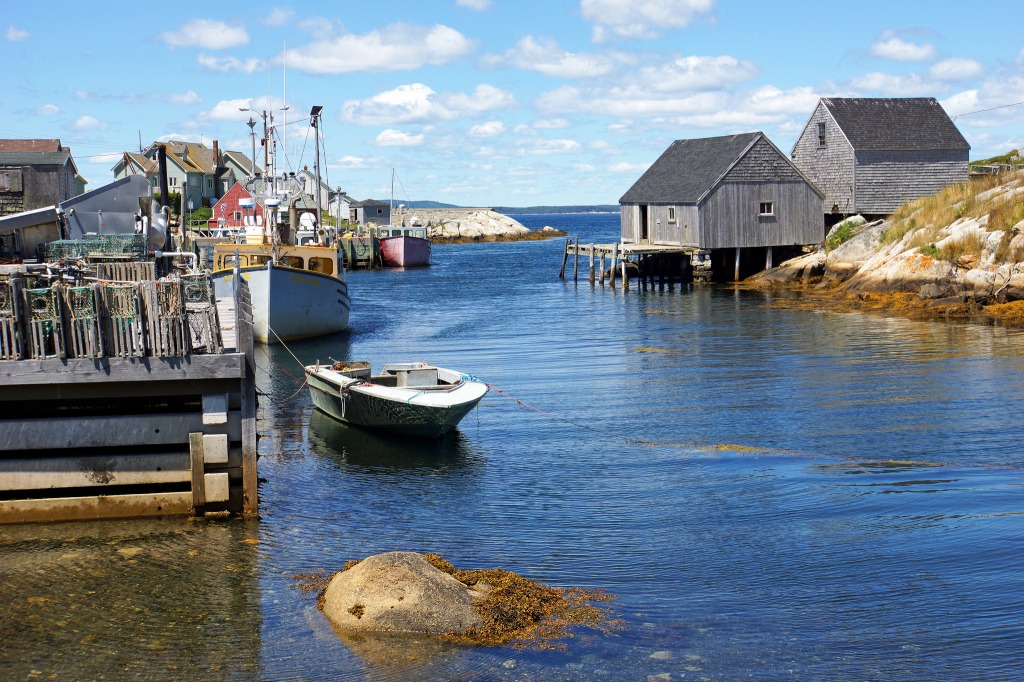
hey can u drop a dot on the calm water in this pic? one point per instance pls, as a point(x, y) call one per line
point(833, 496)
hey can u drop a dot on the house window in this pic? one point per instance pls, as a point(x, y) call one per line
point(238, 215)
point(671, 214)
point(209, 183)
point(766, 208)
point(821, 134)
point(172, 181)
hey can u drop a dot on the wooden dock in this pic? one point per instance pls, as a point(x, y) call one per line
point(125, 400)
point(650, 263)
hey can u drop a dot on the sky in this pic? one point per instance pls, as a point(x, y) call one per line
point(491, 102)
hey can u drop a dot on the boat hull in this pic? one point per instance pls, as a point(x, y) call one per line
point(404, 252)
point(411, 412)
point(290, 304)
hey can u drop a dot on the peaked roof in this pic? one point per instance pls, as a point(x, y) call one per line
point(37, 158)
point(903, 123)
point(688, 169)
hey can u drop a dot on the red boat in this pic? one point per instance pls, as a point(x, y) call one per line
point(403, 247)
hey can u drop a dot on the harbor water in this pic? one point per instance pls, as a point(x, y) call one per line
point(767, 491)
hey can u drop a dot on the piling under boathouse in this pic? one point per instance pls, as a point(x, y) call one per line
point(722, 207)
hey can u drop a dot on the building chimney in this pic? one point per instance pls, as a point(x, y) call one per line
point(216, 169)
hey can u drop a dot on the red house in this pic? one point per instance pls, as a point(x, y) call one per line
point(228, 212)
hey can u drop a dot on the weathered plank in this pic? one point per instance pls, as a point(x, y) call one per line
point(120, 370)
point(107, 469)
point(98, 431)
point(95, 507)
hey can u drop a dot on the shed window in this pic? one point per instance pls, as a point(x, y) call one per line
point(821, 134)
point(766, 208)
point(671, 214)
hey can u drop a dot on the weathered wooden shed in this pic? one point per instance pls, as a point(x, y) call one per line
point(733, 192)
point(869, 155)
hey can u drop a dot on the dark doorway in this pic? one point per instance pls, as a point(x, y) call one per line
point(644, 230)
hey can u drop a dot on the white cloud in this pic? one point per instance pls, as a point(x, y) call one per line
point(477, 5)
point(395, 47)
point(545, 147)
point(987, 105)
point(955, 69)
point(16, 35)
point(186, 98)
point(226, 64)
point(910, 85)
point(643, 19)
point(626, 167)
point(47, 110)
point(417, 103)
point(279, 16)
point(88, 123)
point(350, 162)
point(231, 109)
point(696, 73)
point(489, 129)
point(397, 138)
point(207, 34)
point(550, 123)
point(889, 46)
point(627, 101)
point(545, 56)
point(584, 168)
point(105, 159)
point(769, 99)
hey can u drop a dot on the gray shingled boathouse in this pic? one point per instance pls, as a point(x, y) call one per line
point(869, 155)
point(736, 200)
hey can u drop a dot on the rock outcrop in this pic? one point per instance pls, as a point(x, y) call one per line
point(956, 248)
point(400, 592)
point(461, 225)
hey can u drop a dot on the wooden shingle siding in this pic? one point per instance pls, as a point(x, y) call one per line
point(885, 180)
point(829, 167)
point(729, 216)
point(627, 222)
point(763, 164)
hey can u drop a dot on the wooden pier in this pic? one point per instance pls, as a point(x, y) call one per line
point(124, 400)
point(650, 263)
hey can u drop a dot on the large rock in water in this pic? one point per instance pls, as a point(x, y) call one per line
point(400, 592)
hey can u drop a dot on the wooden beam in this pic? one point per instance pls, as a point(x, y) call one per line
point(576, 261)
point(768, 259)
point(197, 466)
point(98, 507)
point(565, 257)
point(44, 473)
point(60, 433)
point(120, 370)
point(736, 276)
point(591, 249)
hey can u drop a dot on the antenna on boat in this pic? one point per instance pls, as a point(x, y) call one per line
point(314, 120)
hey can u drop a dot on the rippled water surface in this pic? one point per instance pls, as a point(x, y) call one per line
point(817, 495)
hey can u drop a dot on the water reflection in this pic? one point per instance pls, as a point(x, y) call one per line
point(354, 446)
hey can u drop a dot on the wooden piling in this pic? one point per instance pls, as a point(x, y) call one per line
point(602, 267)
point(565, 258)
point(768, 265)
point(614, 264)
point(736, 275)
point(625, 276)
point(591, 248)
point(576, 261)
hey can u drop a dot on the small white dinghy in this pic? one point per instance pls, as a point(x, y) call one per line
point(413, 399)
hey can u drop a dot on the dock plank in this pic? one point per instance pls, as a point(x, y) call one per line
point(120, 370)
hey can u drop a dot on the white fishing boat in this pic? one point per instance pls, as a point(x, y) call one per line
point(413, 399)
point(298, 290)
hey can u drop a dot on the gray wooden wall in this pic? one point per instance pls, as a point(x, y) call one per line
point(886, 179)
point(682, 231)
point(729, 216)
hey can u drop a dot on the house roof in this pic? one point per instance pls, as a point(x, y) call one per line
point(906, 123)
point(34, 158)
point(35, 146)
point(688, 169)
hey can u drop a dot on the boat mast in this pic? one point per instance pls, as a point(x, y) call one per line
point(391, 205)
point(315, 122)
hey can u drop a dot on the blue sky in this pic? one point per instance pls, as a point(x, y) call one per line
point(492, 102)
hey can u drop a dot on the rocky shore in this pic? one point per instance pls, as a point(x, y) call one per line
point(467, 225)
point(957, 254)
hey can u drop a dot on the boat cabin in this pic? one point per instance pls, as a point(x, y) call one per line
point(319, 259)
point(386, 231)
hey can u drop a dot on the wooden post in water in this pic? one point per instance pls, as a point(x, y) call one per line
point(625, 277)
point(591, 247)
point(614, 264)
point(565, 257)
point(602, 267)
point(736, 276)
point(576, 261)
point(768, 259)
